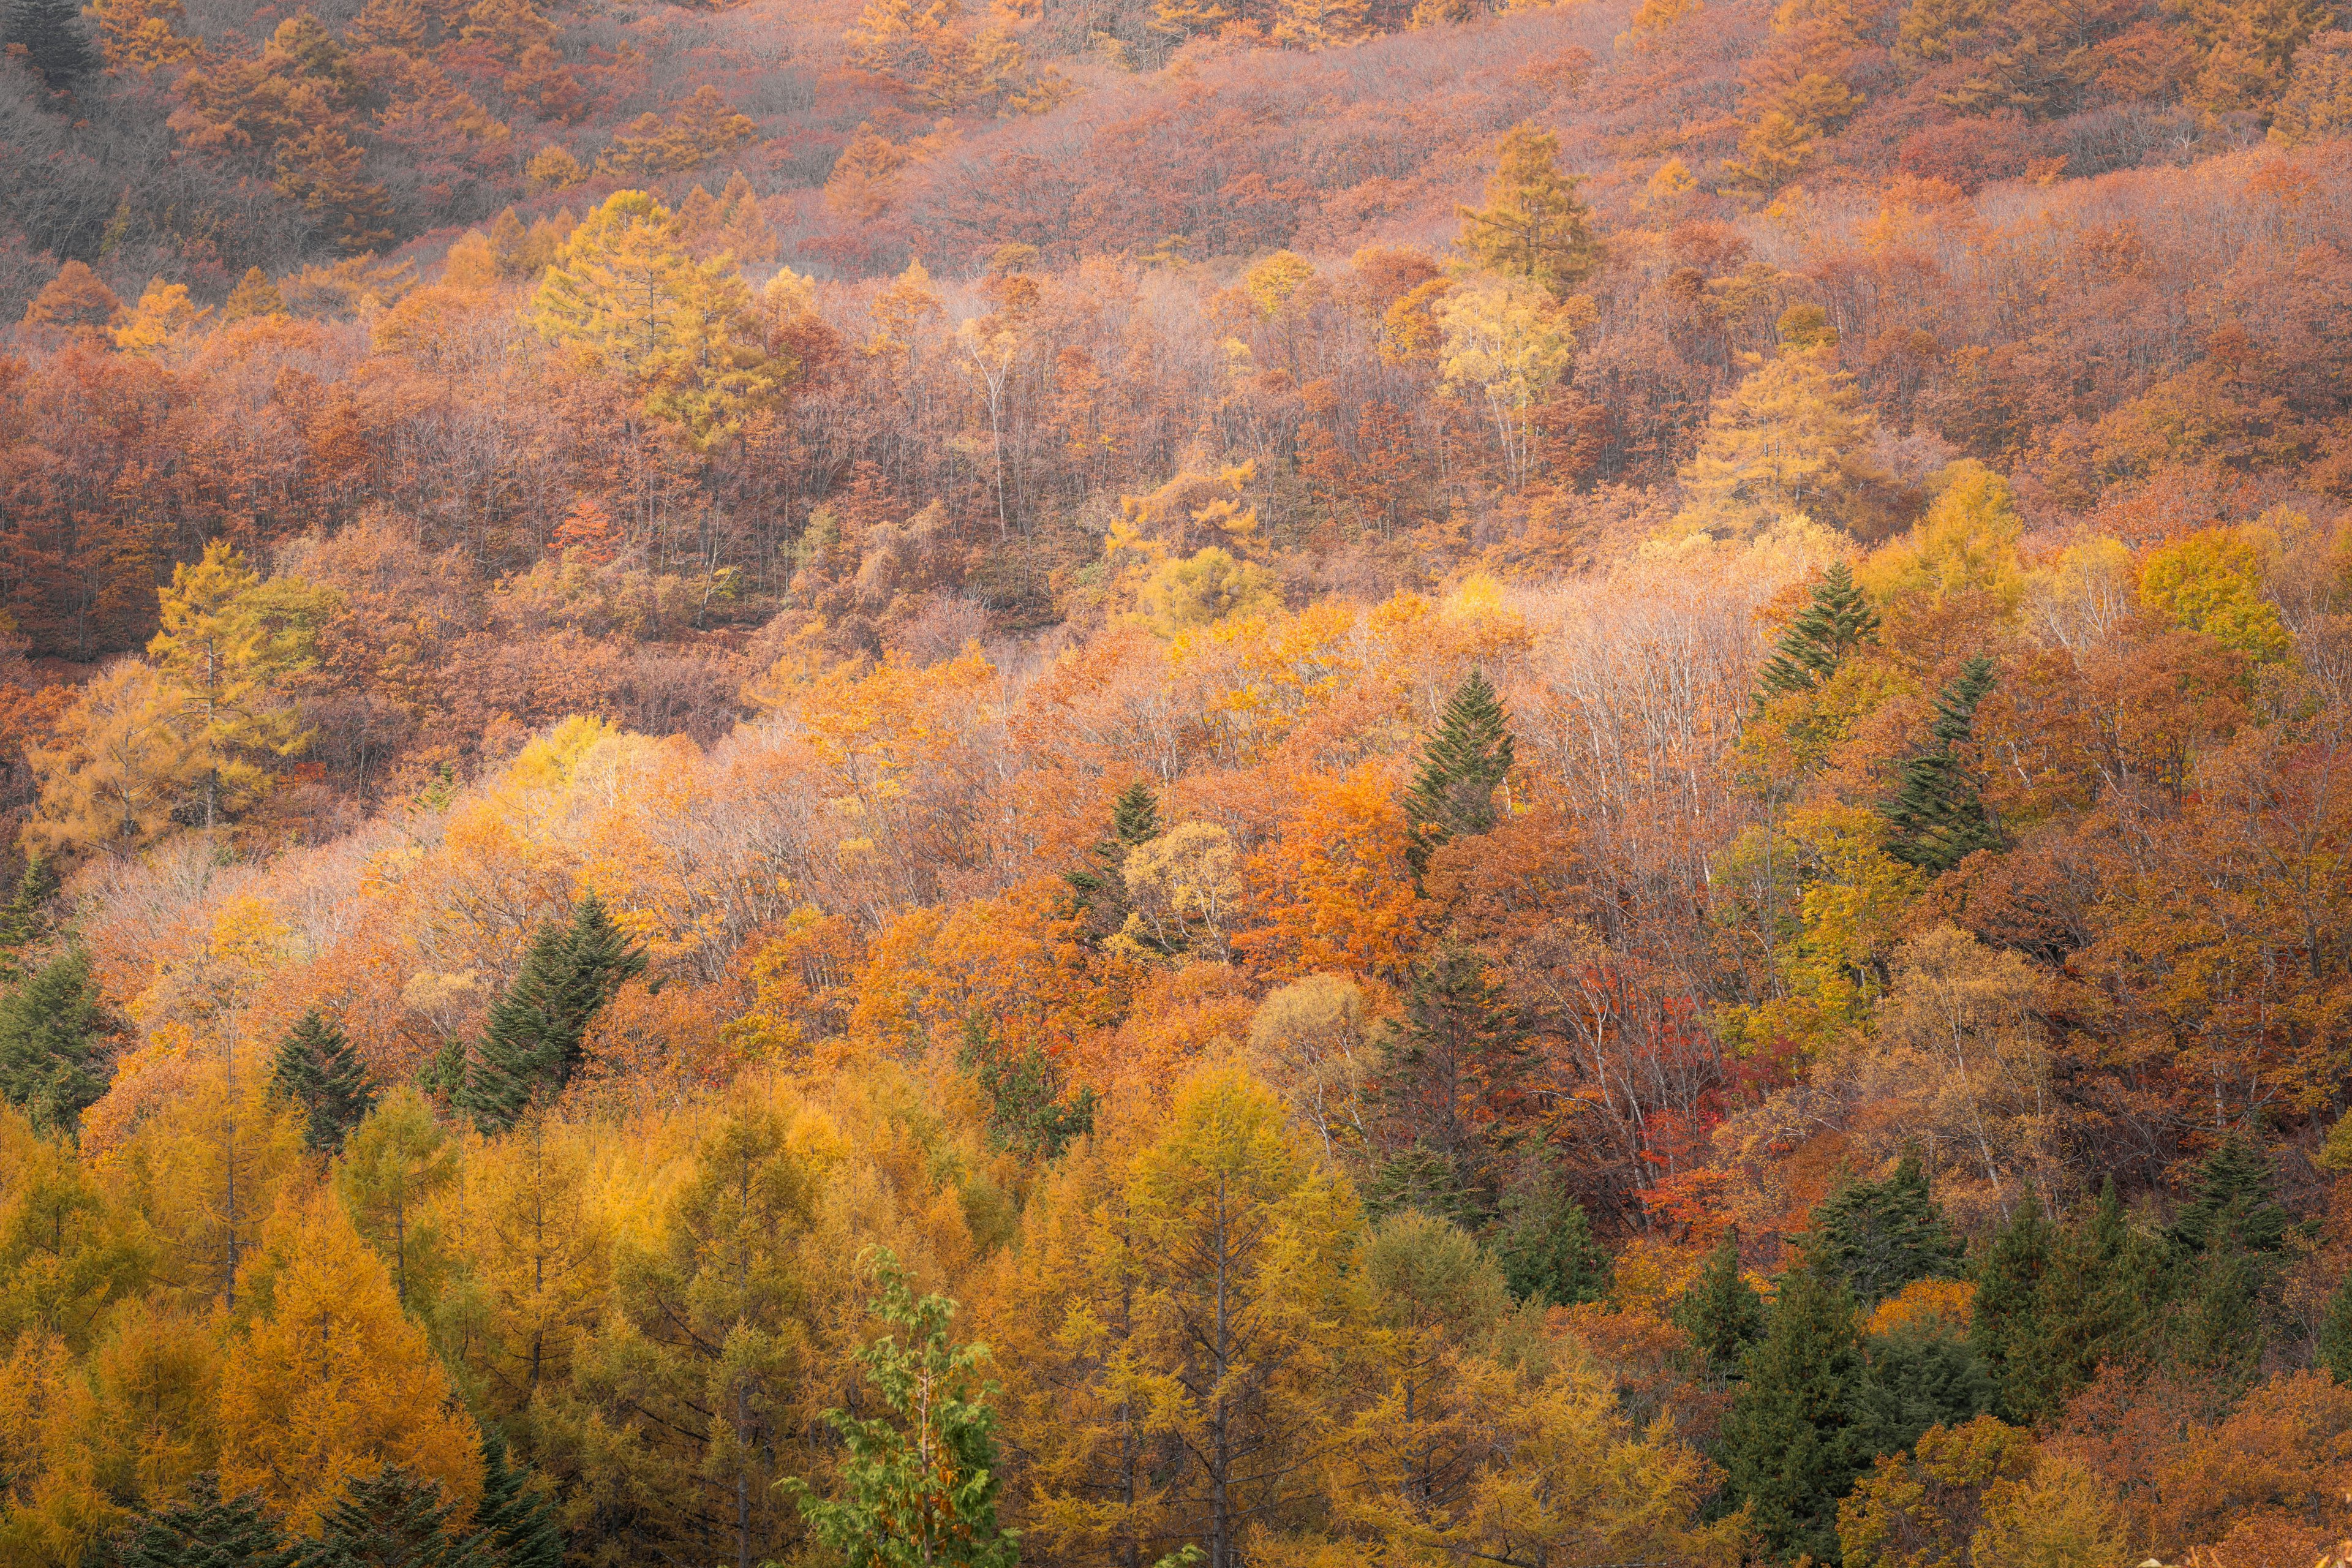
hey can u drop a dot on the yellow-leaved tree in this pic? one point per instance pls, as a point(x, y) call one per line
point(331, 1383)
point(123, 759)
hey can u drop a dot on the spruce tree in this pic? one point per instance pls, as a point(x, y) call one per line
point(23, 920)
point(1421, 1178)
point(1721, 1311)
point(54, 39)
point(1794, 1438)
point(2097, 1303)
point(516, 1521)
point(206, 1532)
point(1878, 1237)
point(321, 1074)
point(1028, 1112)
point(1921, 1378)
point(1098, 896)
point(537, 1030)
point(2234, 1205)
point(2007, 1277)
point(598, 960)
point(394, 1520)
point(1838, 621)
point(1938, 817)
point(1546, 1248)
point(1456, 1063)
point(2334, 1350)
point(2216, 1325)
point(1461, 765)
point(51, 1028)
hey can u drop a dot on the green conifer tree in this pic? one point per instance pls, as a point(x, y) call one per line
point(206, 1532)
point(2216, 1325)
point(54, 38)
point(1421, 1178)
point(2097, 1303)
point(1794, 1438)
point(1920, 1378)
point(539, 1027)
point(1449, 1073)
point(921, 1482)
point(321, 1074)
point(23, 920)
point(1721, 1311)
point(1938, 814)
point(598, 960)
point(1546, 1247)
point(2334, 1350)
point(1838, 621)
point(394, 1520)
point(2233, 1205)
point(1029, 1112)
point(51, 1029)
point(1877, 1236)
point(1462, 766)
point(516, 1521)
point(1098, 896)
point(2007, 1275)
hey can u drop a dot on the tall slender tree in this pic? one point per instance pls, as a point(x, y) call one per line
point(1825, 633)
point(1462, 766)
point(321, 1075)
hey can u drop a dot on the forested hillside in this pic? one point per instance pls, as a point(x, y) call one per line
point(1185, 784)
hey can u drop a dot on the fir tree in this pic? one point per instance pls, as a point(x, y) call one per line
point(51, 1028)
point(1546, 1248)
point(320, 1072)
point(1937, 815)
point(1820, 639)
point(2218, 1325)
point(23, 920)
point(2334, 1350)
point(1794, 1437)
point(2097, 1303)
point(394, 1520)
point(537, 1030)
point(1721, 1311)
point(53, 36)
point(1454, 1065)
point(921, 1482)
point(1421, 1178)
point(2008, 1286)
point(598, 960)
point(1918, 1379)
point(206, 1532)
point(1878, 1237)
point(1461, 765)
point(2234, 1205)
point(1098, 896)
point(1028, 1112)
point(516, 1521)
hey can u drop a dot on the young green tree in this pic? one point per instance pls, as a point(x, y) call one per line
point(1938, 817)
point(2007, 1277)
point(319, 1073)
point(207, 1530)
point(393, 1164)
point(1546, 1247)
point(1825, 634)
point(1031, 1110)
point(1721, 1311)
point(227, 641)
point(52, 1028)
point(395, 1518)
point(1452, 1070)
point(1794, 1438)
point(2099, 1300)
point(1462, 766)
point(2233, 1205)
point(2334, 1350)
point(921, 1481)
point(1875, 1238)
point(538, 1028)
point(515, 1520)
point(1533, 225)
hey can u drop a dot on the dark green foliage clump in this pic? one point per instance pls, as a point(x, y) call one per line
point(2054, 1305)
point(1822, 637)
point(1877, 1236)
point(516, 1521)
point(1721, 1311)
point(1546, 1248)
point(320, 1072)
point(1028, 1111)
point(1453, 1069)
point(394, 1520)
point(1797, 1435)
point(1098, 897)
point(52, 1026)
point(535, 1041)
point(206, 1532)
point(55, 38)
point(1937, 817)
point(1462, 766)
point(1922, 1379)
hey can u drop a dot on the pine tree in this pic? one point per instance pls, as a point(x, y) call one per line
point(1921, 1379)
point(538, 1028)
point(1721, 1311)
point(2334, 1350)
point(1794, 1439)
point(2234, 1205)
point(394, 1520)
point(321, 1074)
point(2218, 1324)
point(1450, 1070)
point(1547, 1250)
point(23, 920)
point(1937, 815)
point(1098, 896)
point(206, 1532)
point(2008, 1286)
point(1462, 766)
point(51, 1027)
point(1878, 1237)
point(516, 1521)
point(1822, 637)
point(53, 37)
point(2097, 1303)
point(921, 1482)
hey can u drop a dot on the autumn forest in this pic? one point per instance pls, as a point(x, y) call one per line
point(1175, 783)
